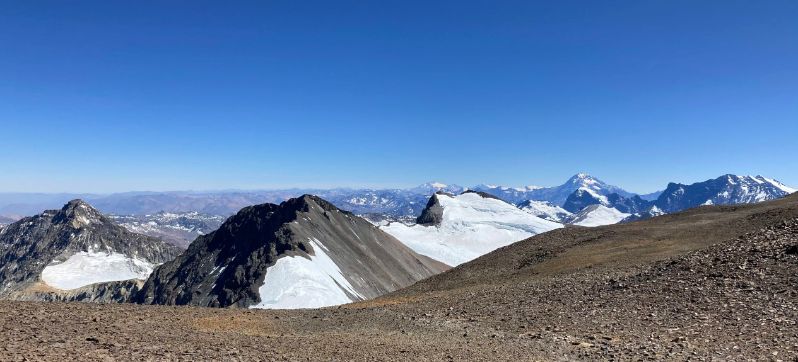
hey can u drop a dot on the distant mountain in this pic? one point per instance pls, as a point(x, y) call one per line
point(209, 203)
point(645, 214)
point(630, 205)
point(556, 195)
point(393, 203)
point(74, 248)
point(4, 220)
point(430, 188)
point(303, 253)
point(178, 229)
point(724, 190)
point(545, 210)
point(456, 229)
point(651, 196)
point(582, 198)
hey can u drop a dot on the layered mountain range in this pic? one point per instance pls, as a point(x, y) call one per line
point(310, 252)
point(399, 204)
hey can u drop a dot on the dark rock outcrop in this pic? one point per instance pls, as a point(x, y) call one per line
point(432, 214)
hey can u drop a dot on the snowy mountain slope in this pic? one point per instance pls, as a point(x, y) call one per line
point(584, 197)
point(72, 248)
point(724, 190)
point(545, 210)
point(304, 252)
point(467, 226)
point(597, 215)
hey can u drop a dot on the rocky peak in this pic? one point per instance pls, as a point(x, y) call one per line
point(432, 214)
point(77, 213)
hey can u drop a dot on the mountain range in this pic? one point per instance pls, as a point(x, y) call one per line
point(390, 204)
point(724, 190)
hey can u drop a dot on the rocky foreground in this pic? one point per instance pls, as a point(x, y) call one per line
point(710, 297)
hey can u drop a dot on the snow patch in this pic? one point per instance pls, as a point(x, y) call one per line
point(86, 268)
point(546, 210)
point(602, 215)
point(295, 282)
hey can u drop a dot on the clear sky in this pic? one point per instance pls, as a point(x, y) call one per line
point(174, 95)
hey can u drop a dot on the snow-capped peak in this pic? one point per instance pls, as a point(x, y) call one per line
point(467, 226)
point(585, 181)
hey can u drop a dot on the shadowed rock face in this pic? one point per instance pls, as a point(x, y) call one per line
point(432, 214)
point(227, 267)
point(29, 245)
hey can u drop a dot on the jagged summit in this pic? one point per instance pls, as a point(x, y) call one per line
point(79, 213)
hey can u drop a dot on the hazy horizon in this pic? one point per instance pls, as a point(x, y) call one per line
point(375, 187)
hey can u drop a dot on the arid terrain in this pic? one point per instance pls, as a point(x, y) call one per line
point(712, 283)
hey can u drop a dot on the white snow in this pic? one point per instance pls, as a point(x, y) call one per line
point(472, 226)
point(546, 210)
point(779, 185)
point(85, 268)
point(295, 282)
point(602, 199)
point(602, 215)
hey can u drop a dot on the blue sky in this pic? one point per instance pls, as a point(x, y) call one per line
point(116, 96)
